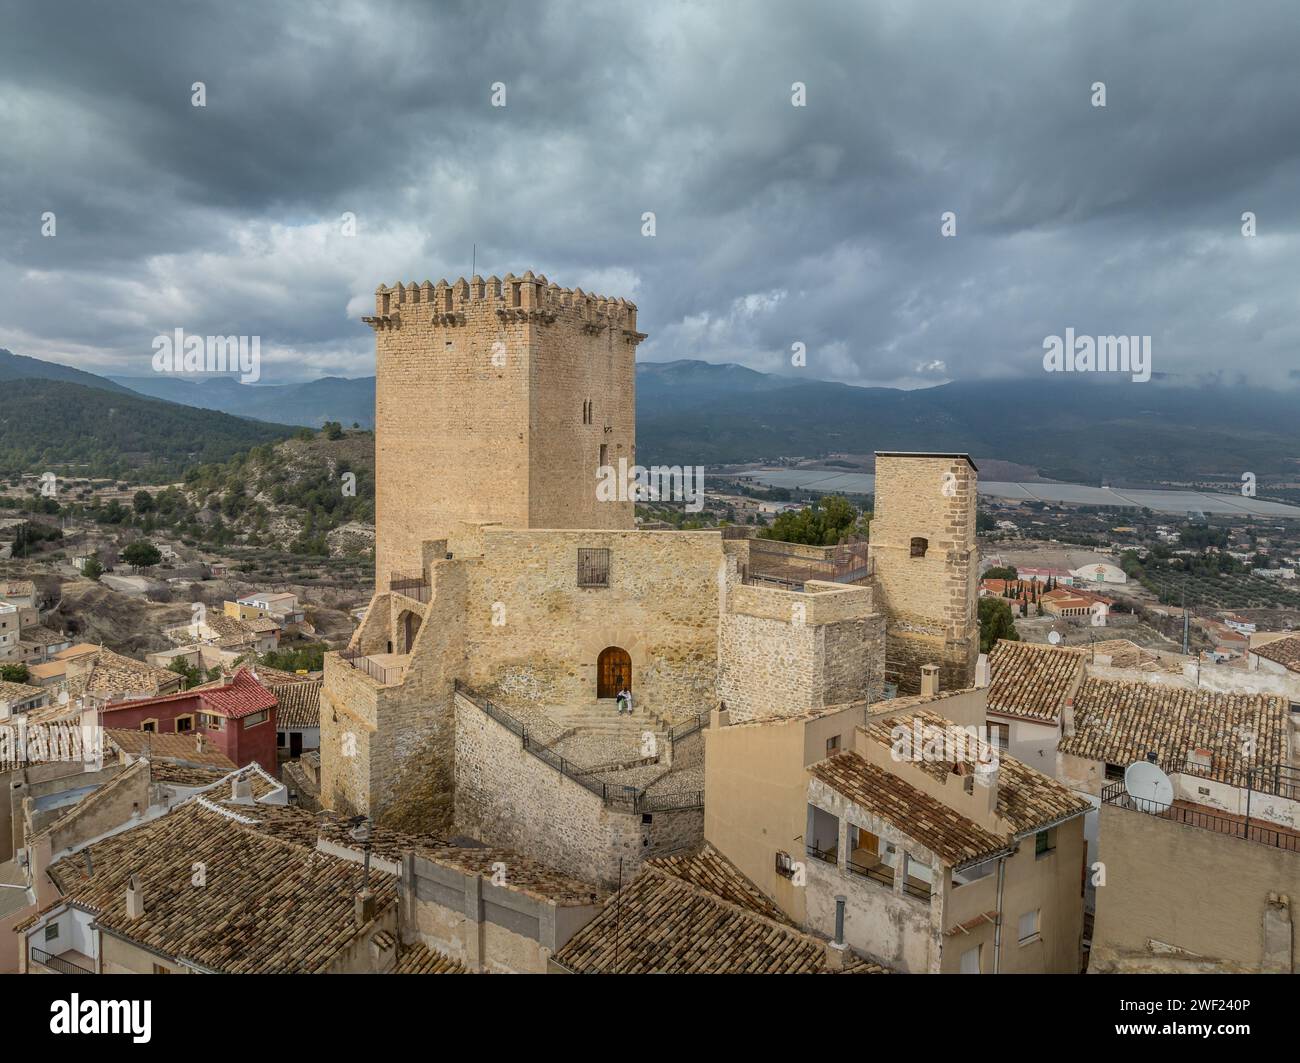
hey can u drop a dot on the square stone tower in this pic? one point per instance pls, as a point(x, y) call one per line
point(927, 566)
point(497, 400)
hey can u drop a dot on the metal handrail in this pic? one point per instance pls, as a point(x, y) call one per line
point(1116, 794)
point(876, 874)
point(58, 963)
point(634, 799)
point(380, 673)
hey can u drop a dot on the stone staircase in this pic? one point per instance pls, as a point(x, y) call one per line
point(600, 717)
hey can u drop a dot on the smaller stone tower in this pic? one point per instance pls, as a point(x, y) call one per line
point(927, 566)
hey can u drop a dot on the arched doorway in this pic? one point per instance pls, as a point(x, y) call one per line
point(613, 671)
point(408, 626)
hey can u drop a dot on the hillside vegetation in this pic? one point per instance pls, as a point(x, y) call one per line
point(55, 425)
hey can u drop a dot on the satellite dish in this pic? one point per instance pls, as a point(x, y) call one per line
point(1146, 782)
point(1054, 637)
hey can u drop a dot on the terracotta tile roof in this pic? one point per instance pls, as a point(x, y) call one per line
point(18, 691)
point(710, 870)
point(234, 698)
point(522, 874)
point(54, 712)
point(299, 704)
point(112, 675)
point(279, 677)
point(267, 906)
point(241, 697)
point(1027, 800)
point(420, 959)
point(176, 747)
point(161, 771)
point(80, 649)
point(1285, 652)
point(953, 837)
point(1032, 681)
point(1125, 653)
point(661, 924)
point(1119, 722)
point(42, 636)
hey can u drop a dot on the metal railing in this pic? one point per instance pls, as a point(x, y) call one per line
point(58, 963)
point(1233, 826)
point(1277, 780)
point(881, 873)
point(630, 798)
point(416, 587)
point(380, 673)
point(685, 730)
point(914, 889)
point(783, 564)
point(827, 856)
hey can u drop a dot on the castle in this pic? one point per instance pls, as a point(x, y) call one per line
point(511, 602)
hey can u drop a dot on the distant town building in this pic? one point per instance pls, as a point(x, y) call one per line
point(1100, 572)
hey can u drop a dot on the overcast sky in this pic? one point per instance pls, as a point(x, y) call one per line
point(775, 224)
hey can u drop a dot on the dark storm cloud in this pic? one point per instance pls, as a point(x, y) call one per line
point(775, 224)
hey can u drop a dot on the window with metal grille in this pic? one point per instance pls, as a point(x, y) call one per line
point(593, 567)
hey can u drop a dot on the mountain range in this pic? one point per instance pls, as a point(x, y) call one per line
point(1071, 427)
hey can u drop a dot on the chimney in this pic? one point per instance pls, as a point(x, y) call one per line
point(241, 789)
point(363, 907)
point(134, 898)
point(837, 951)
point(200, 741)
point(929, 680)
point(986, 778)
point(982, 677)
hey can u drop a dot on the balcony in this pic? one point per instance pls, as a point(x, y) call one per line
point(1205, 818)
point(415, 587)
point(384, 668)
point(69, 962)
point(788, 565)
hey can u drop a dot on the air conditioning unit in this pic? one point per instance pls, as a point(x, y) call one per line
point(785, 865)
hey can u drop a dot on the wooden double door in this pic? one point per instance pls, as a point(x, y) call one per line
point(613, 672)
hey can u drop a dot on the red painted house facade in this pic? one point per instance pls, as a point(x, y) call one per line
point(238, 718)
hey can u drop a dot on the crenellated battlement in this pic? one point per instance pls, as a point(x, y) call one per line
point(530, 297)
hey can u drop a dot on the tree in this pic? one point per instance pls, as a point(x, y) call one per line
point(996, 622)
point(192, 675)
point(141, 554)
point(143, 502)
point(332, 430)
point(14, 673)
point(1001, 572)
point(94, 567)
point(826, 522)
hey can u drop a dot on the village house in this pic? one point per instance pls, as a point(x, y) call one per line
point(280, 606)
point(297, 716)
point(238, 716)
point(19, 698)
point(1030, 686)
point(908, 856)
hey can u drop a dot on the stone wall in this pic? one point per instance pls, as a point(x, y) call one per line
point(661, 606)
point(505, 796)
point(781, 653)
point(931, 600)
